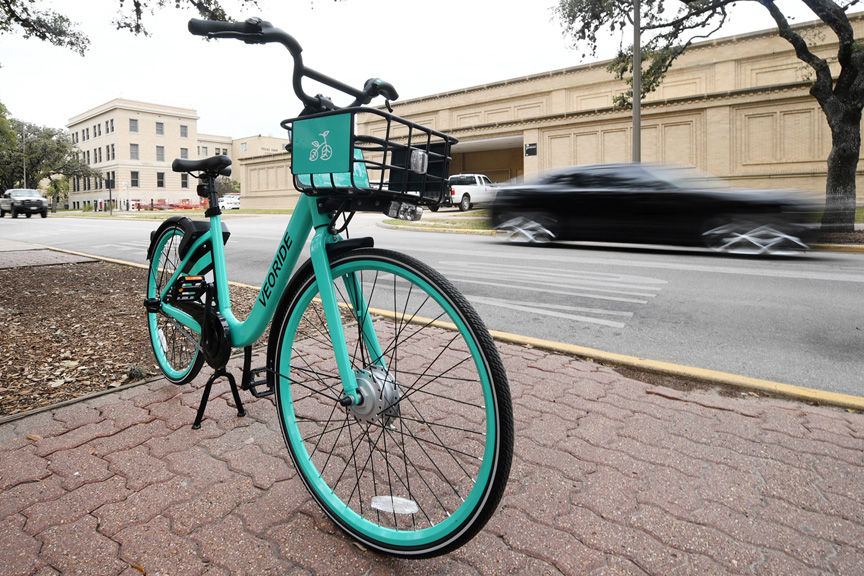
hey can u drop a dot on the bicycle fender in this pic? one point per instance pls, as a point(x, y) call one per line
point(158, 232)
point(192, 230)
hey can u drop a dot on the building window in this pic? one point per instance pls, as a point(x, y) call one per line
point(160, 153)
point(184, 153)
point(133, 178)
point(133, 151)
point(133, 125)
point(112, 125)
point(112, 152)
point(160, 128)
point(184, 131)
point(160, 179)
point(204, 150)
point(100, 154)
point(243, 146)
point(107, 129)
point(88, 157)
point(184, 180)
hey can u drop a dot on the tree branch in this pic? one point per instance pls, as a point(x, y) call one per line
point(822, 86)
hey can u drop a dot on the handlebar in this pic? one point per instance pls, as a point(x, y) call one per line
point(257, 31)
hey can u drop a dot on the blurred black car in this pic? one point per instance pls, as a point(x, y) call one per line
point(656, 204)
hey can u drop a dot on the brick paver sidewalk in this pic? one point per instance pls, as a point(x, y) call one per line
point(610, 476)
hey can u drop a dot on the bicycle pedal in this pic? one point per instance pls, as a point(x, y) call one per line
point(252, 385)
point(189, 288)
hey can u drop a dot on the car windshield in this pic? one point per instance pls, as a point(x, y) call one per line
point(687, 177)
point(25, 194)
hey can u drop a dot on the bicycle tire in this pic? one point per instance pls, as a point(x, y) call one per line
point(431, 459)
point(178, 358)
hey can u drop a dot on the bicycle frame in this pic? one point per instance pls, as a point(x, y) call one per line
point(304, 220)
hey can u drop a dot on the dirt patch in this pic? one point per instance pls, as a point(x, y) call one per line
point(72, 329)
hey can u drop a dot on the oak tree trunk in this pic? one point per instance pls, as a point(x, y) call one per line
point(845, 126)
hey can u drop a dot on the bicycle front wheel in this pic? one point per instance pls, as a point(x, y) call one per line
point(419, 464)
point(176, 347)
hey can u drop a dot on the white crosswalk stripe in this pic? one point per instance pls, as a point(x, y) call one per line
point(620, 291)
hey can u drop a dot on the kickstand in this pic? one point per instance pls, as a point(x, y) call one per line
point(206, 395)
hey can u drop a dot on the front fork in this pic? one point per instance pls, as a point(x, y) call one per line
point(330, 303)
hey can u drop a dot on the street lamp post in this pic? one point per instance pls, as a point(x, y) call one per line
point(636, 155)
point(24, 155)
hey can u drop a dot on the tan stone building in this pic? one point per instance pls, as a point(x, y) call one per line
point(134, 144)
point(738, 108)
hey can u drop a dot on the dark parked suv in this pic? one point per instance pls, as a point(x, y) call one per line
point(23, 201)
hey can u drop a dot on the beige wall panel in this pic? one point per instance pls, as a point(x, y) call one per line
point(679, 143)
point(798, 136)
point(467, 119)
point(587, 148)
point(525, 111)
point(559, 150)
point(615, 146)
point(592, 101)
point(498, 115)
point(762, 71)
point(650, 145)
point(681, 88)
point(759, 133)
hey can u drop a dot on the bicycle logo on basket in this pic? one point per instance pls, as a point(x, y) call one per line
point(321, 150)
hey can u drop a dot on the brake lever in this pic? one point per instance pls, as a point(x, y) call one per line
point(256, 38)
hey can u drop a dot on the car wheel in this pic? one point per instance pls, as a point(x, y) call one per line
point(14, 212)
point(465, 203)
point(28, 215)
point(44, 213)
point(525, 229)
point(741, 235)
point(433, 208)
point(2, 213)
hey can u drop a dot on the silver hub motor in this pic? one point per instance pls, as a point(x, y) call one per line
point(378, 396)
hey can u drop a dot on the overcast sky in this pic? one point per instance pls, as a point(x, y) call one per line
point(421, 46)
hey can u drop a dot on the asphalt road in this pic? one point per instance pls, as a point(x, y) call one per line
point(797, 320)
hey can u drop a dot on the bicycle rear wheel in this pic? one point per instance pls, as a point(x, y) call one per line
point(420, 464)
point(176, 347)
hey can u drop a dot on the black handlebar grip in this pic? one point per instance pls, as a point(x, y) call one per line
point(387, 90)
point(204, 27)
point(375, 86)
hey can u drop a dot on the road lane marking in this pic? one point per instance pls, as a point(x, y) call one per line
point(554, 310)
point(571, 293)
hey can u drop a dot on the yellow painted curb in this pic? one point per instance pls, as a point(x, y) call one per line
point(442, 230)
point(839, 247)
point(705, 375)
point(714, 376)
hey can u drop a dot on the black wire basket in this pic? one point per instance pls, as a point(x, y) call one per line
point(397, 161)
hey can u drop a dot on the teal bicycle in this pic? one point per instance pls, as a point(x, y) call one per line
point(391, 396)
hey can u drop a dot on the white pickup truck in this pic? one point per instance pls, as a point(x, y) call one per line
point(470, 190)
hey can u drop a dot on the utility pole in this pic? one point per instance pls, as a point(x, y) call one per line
point(636, 156)
point(110, 182)
point(24, 154)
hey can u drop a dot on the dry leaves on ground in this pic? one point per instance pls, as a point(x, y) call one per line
point(72, 329)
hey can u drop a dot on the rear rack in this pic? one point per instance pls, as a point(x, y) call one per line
point(400, 161)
